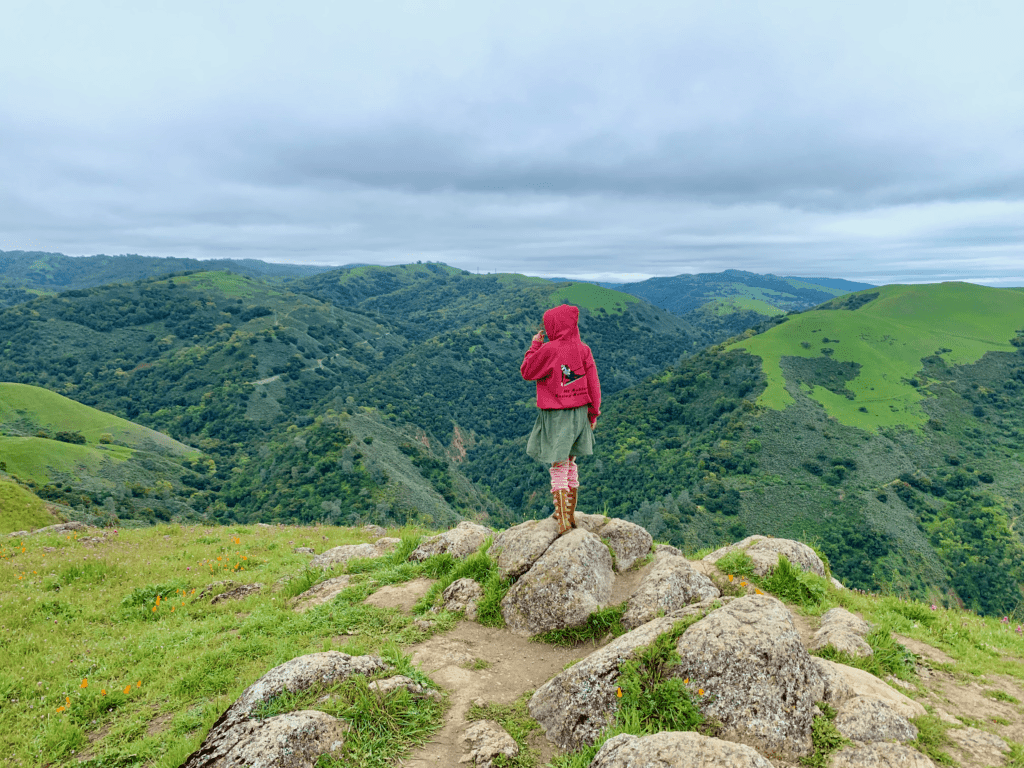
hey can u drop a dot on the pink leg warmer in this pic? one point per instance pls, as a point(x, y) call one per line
point(559, 476)
point(573, 477)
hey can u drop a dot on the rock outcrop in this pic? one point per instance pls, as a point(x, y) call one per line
point(519, 547)
point(484, 741)
point(677, 749)
point(341, 555)
point(462, 595)
point(238, 593)
point(867, 719)
point(844, 631)
point(460, 542)
point(569, 582)
point(862, 683)
point(320, 593)
point(576, 705)
point(629, 541)
point(671, 584)
point(236, 739)
point(765, 554)
point(758, 679)
point(880, 756)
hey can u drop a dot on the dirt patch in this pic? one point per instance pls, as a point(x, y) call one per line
point(403, 596)
point(923, 650)
point(159, 724)
point(515, 665)
point(805, 626)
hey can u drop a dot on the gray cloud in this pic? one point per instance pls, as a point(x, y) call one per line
point(868, 141)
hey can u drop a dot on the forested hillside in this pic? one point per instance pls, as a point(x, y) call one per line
point(885, 425)
point(305, 410)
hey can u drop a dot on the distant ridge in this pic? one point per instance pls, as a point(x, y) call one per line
point(833, 282)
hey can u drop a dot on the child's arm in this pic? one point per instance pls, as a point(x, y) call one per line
point(593, 387)
point(535, 362)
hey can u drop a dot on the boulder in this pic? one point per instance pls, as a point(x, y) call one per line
point(880, 756)
point(374, 530)
point(865, 684)
point(671, 584)
point(72, 527)
point(765, 554)
point(628, 541)
point(981, 746)
point(758, 679)
point(401, 682)
point(235, 727)
point(518, 548)
point(460, 542)
point(568, 583)
point(341, 555)
point(868, 719)
point(576, 705)
point(485, 740)
point(292, 740)
point(462, 595)
point(844, 631)
point(666, 550)
point(238, 593)
point(837, 689)
point(320, 593)
point(592, 523)
point(677, 749)
point(209, 589)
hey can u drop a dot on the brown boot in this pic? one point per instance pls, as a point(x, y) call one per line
point(560, 498)
point(573, 495)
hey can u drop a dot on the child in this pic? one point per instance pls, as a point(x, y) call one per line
point(569, 396)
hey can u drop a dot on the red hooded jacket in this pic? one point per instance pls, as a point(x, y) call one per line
point(563, 367)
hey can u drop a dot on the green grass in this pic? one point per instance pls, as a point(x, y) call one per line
point(744, 304)
point(36, 458)
point(825, 737)
point(931, 739)
point(516, 720)
point(187, 659)
point(21, 510)
point(41, 408)
point(597, 626)
point(888, 337)
point(593, 297)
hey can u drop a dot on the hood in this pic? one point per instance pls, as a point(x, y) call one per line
point(560, 323)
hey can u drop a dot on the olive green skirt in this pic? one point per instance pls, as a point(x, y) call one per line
point(557, 435)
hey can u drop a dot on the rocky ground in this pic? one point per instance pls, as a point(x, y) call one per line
point(744, 657)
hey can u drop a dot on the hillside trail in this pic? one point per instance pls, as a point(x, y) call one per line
point(474, 663)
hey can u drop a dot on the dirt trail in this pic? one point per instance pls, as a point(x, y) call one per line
point(516, 665)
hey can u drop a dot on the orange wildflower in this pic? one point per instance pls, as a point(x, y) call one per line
point(127, 689)
point(730, 578)
point(700, 691)
point(618, 692)
point(85, 683)
point(103, 691)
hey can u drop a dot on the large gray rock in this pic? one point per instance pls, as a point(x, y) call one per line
point(981, 746)
point(677, 749)
point(572, 580)
point(292, 740)
point(485, 740)
point(320, 593)
point(880, 756)
point(576, 705)
point(235, 726)
point(460, 542)
point(863, 683)
point(765, 554)
point(671, 584)
point(462, 595)
point(341, 555)
point(238, 593)
point(844, 631)
point(758, 679)
point(869, 719)
point(628, 541)
point(402, 682)
point(837, 688)
point(72, 527)
point(518, 548)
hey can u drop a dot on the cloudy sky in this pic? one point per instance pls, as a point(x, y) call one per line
point(876, 141)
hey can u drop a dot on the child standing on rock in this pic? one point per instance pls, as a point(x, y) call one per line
point(569, 398)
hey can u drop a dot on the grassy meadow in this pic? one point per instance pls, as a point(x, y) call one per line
point(109, 658)
point(22, 510)
point(888, 336)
